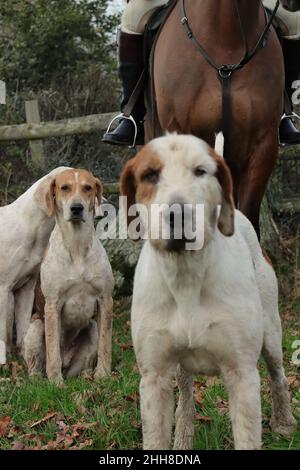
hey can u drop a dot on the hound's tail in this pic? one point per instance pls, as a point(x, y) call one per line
point(219, 144)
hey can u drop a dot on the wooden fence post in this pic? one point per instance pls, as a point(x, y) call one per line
point(36, 146)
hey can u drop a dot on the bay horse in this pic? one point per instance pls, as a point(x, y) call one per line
point(188, 90)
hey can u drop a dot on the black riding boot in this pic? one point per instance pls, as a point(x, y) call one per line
point(131, 65)
point(288, 132)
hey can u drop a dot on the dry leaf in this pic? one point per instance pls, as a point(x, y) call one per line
point(4, 423)
point(112, 446)
point(222, 405)
point(17, 445)
point(293, 381)
point(203, 418)
point(14, 430)
point(48, 416)
point(210, 381)
point(198, 394)
point(82, 445)
point(132, 397)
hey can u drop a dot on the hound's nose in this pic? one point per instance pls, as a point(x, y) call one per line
point(76, 209)
point(179, 220)
point(178, 214)
point(175, 217)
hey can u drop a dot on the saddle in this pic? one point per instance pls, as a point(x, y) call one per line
point(154, 26)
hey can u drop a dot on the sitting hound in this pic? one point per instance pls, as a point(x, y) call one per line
point(77, 283)
point(26, 225)
point(209, 311)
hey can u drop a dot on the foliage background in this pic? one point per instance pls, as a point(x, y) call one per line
point(63, 53)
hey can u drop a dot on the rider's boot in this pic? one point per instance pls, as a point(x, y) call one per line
point(288, 132)
point(131, 65)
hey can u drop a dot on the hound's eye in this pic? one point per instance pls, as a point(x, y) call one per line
point(87, 188)
point(65, 188)
point(151, 176)
point(199, 171)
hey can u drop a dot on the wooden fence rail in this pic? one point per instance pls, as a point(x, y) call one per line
point(45, 130)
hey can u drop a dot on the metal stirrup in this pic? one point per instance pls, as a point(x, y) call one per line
point(129, 118)
point(290, 115)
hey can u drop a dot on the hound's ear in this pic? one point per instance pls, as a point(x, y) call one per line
point(226, 217)
point(128, 186)
point(44, 195)
point(98, 197)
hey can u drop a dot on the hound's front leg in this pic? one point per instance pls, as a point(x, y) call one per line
point(156, 393)
point(24, 299)
point(185, 412)
point(7, 304)
point(105, 338)
point(243, 386)
point(52, 336)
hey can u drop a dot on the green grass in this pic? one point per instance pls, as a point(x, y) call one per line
point(105, 414)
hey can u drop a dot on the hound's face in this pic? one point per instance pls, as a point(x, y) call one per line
point(291, 5)
point(181, 172)
point(73, 194)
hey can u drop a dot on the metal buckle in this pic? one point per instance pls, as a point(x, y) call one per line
point(225, 71)
point(129, 118)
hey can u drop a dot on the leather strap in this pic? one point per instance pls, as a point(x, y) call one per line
point(225, 71)
point(138, 89)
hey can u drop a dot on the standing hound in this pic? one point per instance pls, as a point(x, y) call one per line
point(26, 226)
point(209, 311)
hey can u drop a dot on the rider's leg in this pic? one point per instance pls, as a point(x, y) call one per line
point(290, 30)
point(289, 134)
point(131, 64)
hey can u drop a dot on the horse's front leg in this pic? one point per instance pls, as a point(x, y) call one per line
point(254, 177)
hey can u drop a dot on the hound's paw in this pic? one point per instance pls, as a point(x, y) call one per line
point(57, 380)
point(285, 428)
point(101, 372)
point(35, 374)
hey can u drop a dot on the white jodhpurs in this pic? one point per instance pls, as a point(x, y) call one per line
point(290, 20)
point(137, 13)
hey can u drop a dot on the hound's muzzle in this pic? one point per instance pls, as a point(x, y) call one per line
point(178, 221)
point(76, 211)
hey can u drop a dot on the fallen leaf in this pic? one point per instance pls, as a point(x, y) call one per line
point(132, 397)
point(14, 430)
point(82, 445)
point(211, 381)
point(222, 406)
point(16, 368)
point(203, 418)
point(48, 416)
point(83, 426)
point(287, 316)
point(293, 381)
point(18, 446)
point(112, 446)
point(198, 394)
point(4, 423)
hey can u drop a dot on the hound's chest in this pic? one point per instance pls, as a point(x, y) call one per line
point(79, 308)
point(80, 294)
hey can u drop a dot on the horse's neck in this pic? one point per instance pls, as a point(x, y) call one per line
point(222, 16)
